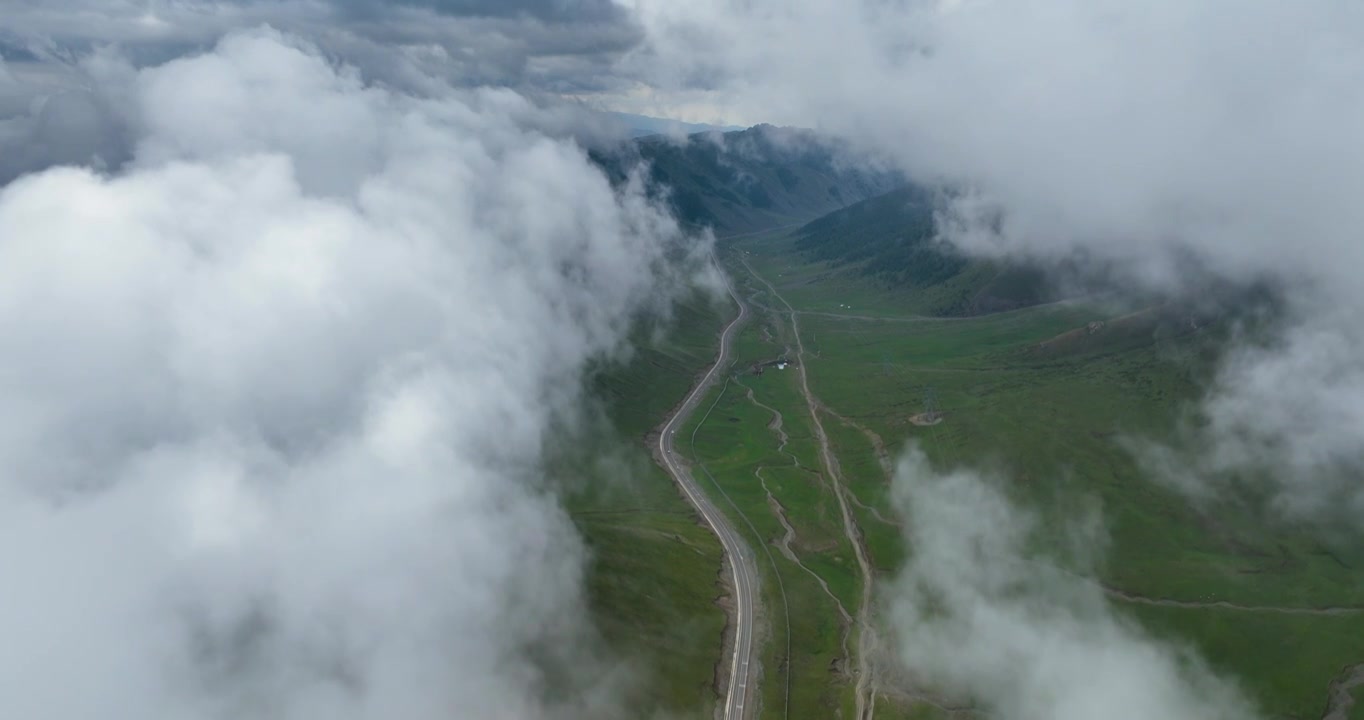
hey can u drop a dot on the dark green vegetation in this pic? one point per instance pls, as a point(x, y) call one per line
point(1046, 396)
point(748, 180)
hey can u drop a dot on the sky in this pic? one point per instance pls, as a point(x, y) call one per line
point(322, 242)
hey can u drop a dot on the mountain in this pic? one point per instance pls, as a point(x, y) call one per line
point(643, 125)
point(748, 180)
point(892, 239)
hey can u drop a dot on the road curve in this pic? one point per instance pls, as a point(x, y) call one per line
point(742, 561)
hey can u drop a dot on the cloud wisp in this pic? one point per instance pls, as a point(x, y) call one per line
point(275, 394)
point(979, 613)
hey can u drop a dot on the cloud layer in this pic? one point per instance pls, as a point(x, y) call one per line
point(532, 44)
point(55, 108)
point(274, 397)
point(980, 615)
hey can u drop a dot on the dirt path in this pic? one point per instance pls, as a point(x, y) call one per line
point(1224, 605)
point(911, 697)
point(1340, 696)
point(865, 693)
point(775, 426)
point(852, 496)
point(878, 445)
point(882, 458)
point(877, 318)
point(925, 318)
point(789, 531)
point(784, 546)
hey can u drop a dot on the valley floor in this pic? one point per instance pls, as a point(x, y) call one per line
point(832, 378)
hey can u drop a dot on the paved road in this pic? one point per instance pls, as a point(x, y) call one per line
point(742, 561)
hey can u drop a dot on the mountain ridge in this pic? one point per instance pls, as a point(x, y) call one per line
point(747, 180)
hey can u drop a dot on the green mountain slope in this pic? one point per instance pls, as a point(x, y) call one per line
point(891, 238)
point(749, 180)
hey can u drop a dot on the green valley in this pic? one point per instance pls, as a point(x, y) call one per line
point(1049, 395)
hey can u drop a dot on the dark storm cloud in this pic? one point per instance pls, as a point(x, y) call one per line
point(509, 43)
point(50, 114)
point(557, 10)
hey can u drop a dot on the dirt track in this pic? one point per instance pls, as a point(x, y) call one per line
point(865, 693)
point(1224, 605)
point(1340, 697)
point(789, 531)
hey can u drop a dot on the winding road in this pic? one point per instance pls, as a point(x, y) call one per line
point(742, 561)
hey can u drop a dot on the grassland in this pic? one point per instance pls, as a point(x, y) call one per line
point(1040, 396)
point(654, 569)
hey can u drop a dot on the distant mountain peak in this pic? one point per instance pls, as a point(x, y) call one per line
point(644, 125)
point(751, 179)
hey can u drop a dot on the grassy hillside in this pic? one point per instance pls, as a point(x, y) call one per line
point(889, 241)
point(749, 180)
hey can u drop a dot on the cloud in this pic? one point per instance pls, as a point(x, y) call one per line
point(978, 613)
point(55, 107)
point(1155, 137)
point(1285, 413)
point(574, 10)
point(533, 45)
point(275, 394)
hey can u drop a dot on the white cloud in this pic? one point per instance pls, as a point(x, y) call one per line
point(979, 614)
point(1287, 412)
point(274, 396)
